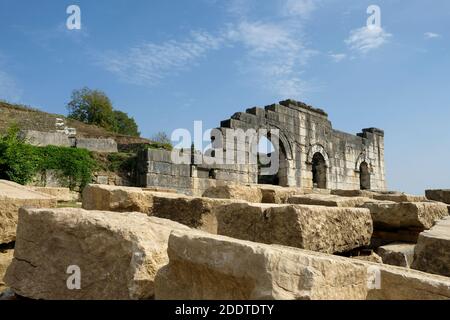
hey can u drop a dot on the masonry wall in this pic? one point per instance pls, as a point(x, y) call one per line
point(304, 133)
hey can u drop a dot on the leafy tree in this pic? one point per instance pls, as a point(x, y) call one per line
point(92, 107)
point(18, 162)
point(162, 137)
point(125, 124)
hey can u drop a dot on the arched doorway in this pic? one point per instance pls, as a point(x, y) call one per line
point(364, 176)
point(319, 171)
point(266, 153)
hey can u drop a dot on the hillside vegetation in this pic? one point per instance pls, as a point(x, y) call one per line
point(27, 118)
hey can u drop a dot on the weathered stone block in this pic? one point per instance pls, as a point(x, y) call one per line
point(238, 192)
point(327, 200)
point(203, 266)
point(432, 253)
point(118, 254)
point(405, 215)
point(397, 254)
point(12, 197)
point(198, 213)
point(6, 257)
point(61, 194)
point(353, 193)
point(438, 195)
point(214, 267)
point(121, 199)
point(276, 194)
point(315, 228)
point(398, 197)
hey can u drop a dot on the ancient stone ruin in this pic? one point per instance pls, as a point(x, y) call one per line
point(323, 227)
point(311, 154)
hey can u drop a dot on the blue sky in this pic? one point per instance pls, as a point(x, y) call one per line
point(168, 63)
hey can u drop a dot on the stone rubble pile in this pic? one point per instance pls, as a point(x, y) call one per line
point(235, 242)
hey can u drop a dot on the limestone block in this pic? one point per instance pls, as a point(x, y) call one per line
point(203, 266)
point(214, 267)
point(353, 193)
point(61, 194)
point(315, 228)
point(438, 195)
point(118, 254)
point(397, 254)
point(371, 256)
point(398, 197)
point(121, 199)
point(238, 192)
point(195, 212)
point(12, 197)
point(276, 194)
point(6, 257)
point(405, 215)
point(327, 200)
point(432, 253)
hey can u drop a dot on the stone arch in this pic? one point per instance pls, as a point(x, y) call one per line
point(364, 176)
point(362, 158)
point(318, 148)
point(319, 166)
point(284, 151)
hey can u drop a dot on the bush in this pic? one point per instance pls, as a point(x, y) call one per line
point(20, 162)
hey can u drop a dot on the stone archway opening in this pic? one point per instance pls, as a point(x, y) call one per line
point(364, 176)
point(266, 151)
point(319, 171)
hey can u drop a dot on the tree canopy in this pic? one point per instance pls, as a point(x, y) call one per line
point(94, 107)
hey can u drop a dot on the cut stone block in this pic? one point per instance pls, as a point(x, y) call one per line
point(61, 194)
point(404, 221)
point(198, 213)
point(328, 200)
point(276, 194)
point(120, 199)
point(210, 267)
point(6, 257)
point(237, 192)
point(220, 268)
point(438, 195)
point(432, 253)
point(315, 228)
point(398, 197)
point(397, 254)
point(369, 256)
point(118, 254)
point(353, 193)
point(12, 197)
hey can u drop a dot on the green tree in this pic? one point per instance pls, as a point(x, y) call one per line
point(125, 124)
point(162, 138)
point(92, 107)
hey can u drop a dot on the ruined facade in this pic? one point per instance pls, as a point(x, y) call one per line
point(311, 154)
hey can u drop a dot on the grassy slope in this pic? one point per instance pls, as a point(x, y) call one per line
point(33, 119)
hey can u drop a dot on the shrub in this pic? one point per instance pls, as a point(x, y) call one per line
point(20, 162)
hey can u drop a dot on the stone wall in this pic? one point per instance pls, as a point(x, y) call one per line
point(312, 154)
point(39, 138)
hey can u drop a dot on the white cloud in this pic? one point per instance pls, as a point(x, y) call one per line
point(274, 54)
point(338, 57)
point(367, 38)
point(301, 8)
point(9, 90)
point(148, 63)
point(431, 35)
